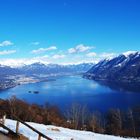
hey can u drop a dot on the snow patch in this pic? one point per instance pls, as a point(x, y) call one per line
point(59, 133)
point(128, 53)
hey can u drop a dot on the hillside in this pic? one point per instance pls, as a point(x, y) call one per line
point(59, 133)
point(123, 68)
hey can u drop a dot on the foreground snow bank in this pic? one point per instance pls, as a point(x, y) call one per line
point(60, 133)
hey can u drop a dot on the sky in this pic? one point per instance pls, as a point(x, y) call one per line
point(67, 31)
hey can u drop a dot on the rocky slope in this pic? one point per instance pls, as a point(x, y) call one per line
point(123, 68)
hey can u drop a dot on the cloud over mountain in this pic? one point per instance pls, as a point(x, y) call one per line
point(80, 48)
point(42, 50)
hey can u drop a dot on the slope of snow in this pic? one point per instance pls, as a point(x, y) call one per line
point(60, 133)
point(129, 53)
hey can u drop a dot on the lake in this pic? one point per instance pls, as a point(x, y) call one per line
point(74, 89)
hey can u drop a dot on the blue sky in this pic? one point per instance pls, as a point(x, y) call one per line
point(67, 31)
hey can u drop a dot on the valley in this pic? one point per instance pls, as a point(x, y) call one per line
point(37, 72)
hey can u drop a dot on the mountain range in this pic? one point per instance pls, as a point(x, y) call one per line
point(123, 68)
point(10, 77)
point(40, 68)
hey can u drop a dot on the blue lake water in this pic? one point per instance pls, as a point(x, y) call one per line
point(74, 89)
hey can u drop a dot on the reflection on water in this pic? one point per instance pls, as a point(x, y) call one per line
point(94, 85)
point(70, 89)
point(122, 86)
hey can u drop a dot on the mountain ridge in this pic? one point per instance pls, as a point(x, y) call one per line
point(123, 68)
point(39, 68)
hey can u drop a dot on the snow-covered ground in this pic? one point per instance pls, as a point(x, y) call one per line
point(59, 133)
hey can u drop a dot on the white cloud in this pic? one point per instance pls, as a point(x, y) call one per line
point(57, 56)
point(23, 61)
point(42, 59)
point(42, 50)
point(6, 52)
point(107, 55)
point(35, 43)
point(83, 48)
point(72, 50)
point(6, 43)
point(80, 48)
point(91, 54)
point(13, 62)
point(46, 59)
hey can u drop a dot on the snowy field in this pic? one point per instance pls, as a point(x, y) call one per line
point(59, 133)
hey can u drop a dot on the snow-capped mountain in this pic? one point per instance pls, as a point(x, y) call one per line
point(10, 77)
point(7, 70)
point(39, 68)
point(124, 68)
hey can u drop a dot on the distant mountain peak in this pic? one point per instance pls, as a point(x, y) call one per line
point(38, 64)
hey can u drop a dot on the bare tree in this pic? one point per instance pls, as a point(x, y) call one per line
point(18, 108)
point(84, 116)
point(73, 115)
point(13, 108)
point(130, 115)
point(93, 122)
point(96, 122)
point(114, 122)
